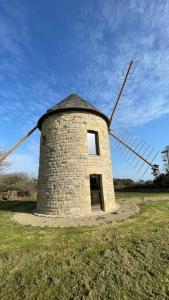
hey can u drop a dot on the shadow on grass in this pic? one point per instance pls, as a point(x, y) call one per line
point(26, 206)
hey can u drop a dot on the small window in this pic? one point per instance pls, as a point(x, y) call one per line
point(93, 142)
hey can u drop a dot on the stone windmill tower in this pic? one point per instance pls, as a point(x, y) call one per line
point(75, 173)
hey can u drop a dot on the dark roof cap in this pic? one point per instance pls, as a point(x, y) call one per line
point(73, 103)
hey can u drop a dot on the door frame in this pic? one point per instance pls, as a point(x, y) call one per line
point(102, 208)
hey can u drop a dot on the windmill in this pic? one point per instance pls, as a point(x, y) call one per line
point(68, 170)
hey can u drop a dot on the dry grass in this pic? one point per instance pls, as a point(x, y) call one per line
point(128, 260)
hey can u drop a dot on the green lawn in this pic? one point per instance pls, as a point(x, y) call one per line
point(126, 260)
point(120, 195)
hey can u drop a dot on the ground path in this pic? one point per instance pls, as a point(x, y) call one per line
point(128, 207)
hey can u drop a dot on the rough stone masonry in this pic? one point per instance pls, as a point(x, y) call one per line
point(65, 166)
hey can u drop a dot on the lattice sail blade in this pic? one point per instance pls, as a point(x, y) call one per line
point(139, 154)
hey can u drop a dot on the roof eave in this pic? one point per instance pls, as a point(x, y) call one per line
point(52, 112)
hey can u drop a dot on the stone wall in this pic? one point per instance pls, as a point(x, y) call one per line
point(65, 166)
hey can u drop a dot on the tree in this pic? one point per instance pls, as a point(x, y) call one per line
point(165, 153)
point(122, 183)
point(17, 181)
point(163, 179)
point(4, 163)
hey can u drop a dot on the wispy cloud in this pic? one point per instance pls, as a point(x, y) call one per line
point(123, 31)
point(25, 162)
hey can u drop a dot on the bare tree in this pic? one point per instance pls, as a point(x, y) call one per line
point(23, 183)
point(4, 163)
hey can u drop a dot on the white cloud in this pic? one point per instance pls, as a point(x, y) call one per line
point(132, 30)
point(25, 162)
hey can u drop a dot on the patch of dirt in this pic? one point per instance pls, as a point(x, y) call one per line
point(127, 208)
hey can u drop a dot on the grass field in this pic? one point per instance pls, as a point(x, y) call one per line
point(140, 195)
point(126, 260)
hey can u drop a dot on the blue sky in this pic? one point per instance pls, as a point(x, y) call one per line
point(49, 49)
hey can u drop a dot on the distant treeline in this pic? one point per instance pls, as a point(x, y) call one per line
point(159, 184)
point(21, 185)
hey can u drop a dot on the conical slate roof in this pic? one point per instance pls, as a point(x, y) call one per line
point(72, 103)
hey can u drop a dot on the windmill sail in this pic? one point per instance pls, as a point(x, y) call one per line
point(133, 147)
point(121, 90)
point(154, 167)
point(18, 143)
